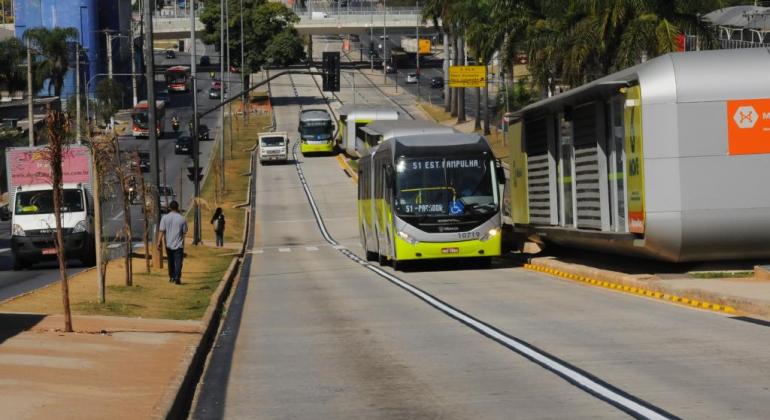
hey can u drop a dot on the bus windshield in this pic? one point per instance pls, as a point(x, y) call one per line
point(140, 119)
point(41, 202)
point(459, 186)
point(319, 129)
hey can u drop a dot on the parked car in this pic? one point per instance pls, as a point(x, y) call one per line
point(183, 145)
point(437, 82)
point(215, 93)
point(412, 78)
point(170, 54)
point(205, 60)
point(167, 195)
point(162, 95)
point(204, 134)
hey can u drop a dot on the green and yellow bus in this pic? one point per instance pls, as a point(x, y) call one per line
point(316, 130)
point(432, 196)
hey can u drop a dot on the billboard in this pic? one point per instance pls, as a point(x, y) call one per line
point(466, 76)
point(425, 46)
point(30, 165)
point(748, 126)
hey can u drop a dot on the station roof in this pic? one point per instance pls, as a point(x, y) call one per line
point(741, 17)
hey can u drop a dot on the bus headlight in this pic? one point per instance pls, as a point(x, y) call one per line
point(16, 230)
point(491, 234)
point(407, 238)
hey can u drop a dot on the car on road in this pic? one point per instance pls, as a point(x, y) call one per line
point(215, 93)
point(162, 95)
point(205, 60)
point(167, 195)
point(204, 134)
point(412, 78)
point(170, 54)
point(144, 160)
point(437, 82)
point(234, 69)
point(216, 84)
point(183, 145)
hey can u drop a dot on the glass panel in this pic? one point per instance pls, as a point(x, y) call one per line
point(41, 202)
point(567, 170)
point(617, 165)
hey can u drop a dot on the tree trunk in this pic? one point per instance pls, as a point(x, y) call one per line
point(487, 130)
point(125, 175)
point(447, 95)
point(57, 127)
point(455, 62)
point(461, 91)
point(477, 120)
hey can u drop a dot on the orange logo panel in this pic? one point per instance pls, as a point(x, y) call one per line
point(748, 126)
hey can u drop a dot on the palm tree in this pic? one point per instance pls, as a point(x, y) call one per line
point(12, 54)
point(53, 45)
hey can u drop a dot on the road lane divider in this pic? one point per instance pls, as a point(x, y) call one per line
point(582, 379)
point(635, 290)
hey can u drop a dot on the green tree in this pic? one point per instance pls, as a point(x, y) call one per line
point(54, 47)
point(108, 98)
point(264, 23)
point(12, 68)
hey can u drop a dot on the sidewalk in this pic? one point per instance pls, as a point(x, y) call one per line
point(116, 368)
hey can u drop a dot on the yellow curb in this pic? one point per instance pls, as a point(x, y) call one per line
point(634, 290)
point(346, 167)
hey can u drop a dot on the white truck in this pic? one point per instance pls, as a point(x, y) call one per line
point(30, 198)
point(273, 146)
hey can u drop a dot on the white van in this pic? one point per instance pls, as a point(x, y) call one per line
point(33, 224)
point(273, 147)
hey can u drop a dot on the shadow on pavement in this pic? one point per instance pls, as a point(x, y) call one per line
point(12, 324)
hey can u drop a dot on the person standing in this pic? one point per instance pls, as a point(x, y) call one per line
point(173, 228)
point(218, 220)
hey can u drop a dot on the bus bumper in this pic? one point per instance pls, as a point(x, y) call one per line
point(316, 148)
point(438, 250)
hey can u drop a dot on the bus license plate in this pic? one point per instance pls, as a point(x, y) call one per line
point(450, 250)
point(49, 251)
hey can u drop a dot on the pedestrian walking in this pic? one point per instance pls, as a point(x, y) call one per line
point(218, 220)
point(173, 228)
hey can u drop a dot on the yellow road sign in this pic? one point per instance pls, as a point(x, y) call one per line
point(424, 46)
point(466, 76)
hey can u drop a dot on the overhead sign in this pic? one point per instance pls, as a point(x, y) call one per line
point(425, 46)
point(466, 76)
point(748, 126)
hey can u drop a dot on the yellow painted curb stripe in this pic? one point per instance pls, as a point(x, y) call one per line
point(345, 167)
point(633, 289)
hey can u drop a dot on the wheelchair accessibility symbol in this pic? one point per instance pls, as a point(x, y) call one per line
point(456, 208)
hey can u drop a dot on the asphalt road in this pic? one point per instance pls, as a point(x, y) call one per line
point(14, 283)
point(314, 332)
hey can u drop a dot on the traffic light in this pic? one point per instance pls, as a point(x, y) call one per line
point(191, 173)
point(331, 70)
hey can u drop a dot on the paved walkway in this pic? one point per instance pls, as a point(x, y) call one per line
point(111, 368)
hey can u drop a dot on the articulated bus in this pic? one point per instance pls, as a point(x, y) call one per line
point(315, 131)
point(355, 117)
point(139, 119)
point(178, 79)
point(430, 196)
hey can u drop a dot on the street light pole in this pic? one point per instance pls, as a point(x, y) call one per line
point(30, 97)
point(194, 134)
point(222, 94)
point(134, 90)
point(153, 138)
point(384, 44)
point(78, 135)
point(418, 53)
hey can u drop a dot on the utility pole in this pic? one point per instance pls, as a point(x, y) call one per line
point(153, 138)
point(194, 134)
point(30, 97)
point(384, 44)
point(222, 93)
point(243, 72)
point(133, 64)
point(418, 53)
point(108, 36)
point(78, 135)
point(98, 221)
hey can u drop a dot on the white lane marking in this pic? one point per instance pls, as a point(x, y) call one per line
point(117, 216)
point(4, 250)
point(284, 249)
point(311, 248)
point(591, 384)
